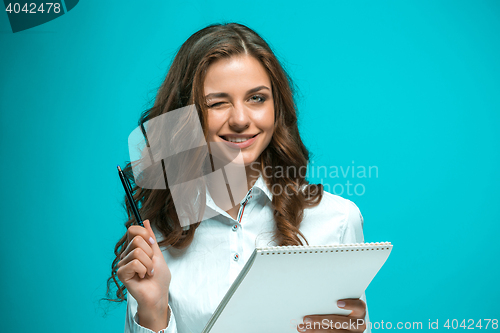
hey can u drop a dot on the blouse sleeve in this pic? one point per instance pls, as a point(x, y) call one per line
point(353, 226)
point(353, 233)
point(131, 320)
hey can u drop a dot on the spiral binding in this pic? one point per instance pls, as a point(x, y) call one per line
point(295, 249)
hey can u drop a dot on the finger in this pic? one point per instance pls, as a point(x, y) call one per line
point(135, 230)
point(138, 242)
point(312, 330)
point(322, 331)
point(327, 321)
point(357, 306)
point(152, 239)
point(329, 330)
point(127, 272)
point(140, 255)
point(332, 323)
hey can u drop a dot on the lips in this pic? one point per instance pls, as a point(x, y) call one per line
point(239, 141)
point(237, 138)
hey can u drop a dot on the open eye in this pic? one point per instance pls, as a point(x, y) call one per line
point(258, 98)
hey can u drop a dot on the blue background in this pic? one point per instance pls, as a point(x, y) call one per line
point(409, 87)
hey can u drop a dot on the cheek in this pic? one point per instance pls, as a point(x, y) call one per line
point(213, 125)
point(267, 121)
point(266, 124)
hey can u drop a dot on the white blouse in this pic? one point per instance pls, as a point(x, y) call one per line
point(202, 275)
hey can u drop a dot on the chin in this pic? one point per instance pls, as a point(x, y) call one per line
point(246, 162)
point(248, 158)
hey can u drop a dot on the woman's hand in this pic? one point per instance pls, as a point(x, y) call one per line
point(143, 270)
point(354, 322)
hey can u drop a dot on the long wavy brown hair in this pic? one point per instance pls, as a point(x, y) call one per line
point(183, 86)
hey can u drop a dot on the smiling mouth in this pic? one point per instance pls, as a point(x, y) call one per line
point(236, 139)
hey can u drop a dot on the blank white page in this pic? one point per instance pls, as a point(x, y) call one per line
point(280, 285)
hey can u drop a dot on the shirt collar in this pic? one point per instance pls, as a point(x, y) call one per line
point(259, 186)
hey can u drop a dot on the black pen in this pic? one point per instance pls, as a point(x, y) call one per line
point(128, 191)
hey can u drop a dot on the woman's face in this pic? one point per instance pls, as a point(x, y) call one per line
point(240, 105)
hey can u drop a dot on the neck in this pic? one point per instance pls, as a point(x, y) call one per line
point(252, 175)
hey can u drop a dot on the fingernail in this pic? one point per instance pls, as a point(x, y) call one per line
point(301, 329)
point(307, 320)
point(340, 304)
point(151, 240)
point(152, 271)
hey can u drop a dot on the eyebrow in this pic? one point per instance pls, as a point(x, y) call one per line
point(251, 91)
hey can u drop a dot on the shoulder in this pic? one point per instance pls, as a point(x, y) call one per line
point(337, 213)
point(333, 200)
point(350, 209)
point(335, 205)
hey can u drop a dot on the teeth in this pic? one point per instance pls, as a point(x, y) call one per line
point(237, 140)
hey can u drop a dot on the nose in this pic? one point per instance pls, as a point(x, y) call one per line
point(239, 119)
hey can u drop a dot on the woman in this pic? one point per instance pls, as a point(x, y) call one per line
point(244, 99)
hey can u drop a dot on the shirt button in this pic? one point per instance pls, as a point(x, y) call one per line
point(235, 227)
point(236, 257)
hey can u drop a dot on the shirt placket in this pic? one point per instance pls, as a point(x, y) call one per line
point(237, 239)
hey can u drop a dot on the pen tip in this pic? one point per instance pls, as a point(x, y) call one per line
point(119, 169)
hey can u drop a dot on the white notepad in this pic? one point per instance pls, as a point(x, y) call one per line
point(280, 285)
